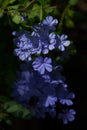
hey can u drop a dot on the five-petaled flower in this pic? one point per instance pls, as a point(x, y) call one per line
point(62, 42)
point(42, 65)
point(67, 115)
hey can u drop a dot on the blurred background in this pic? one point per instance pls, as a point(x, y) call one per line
point(75, 68)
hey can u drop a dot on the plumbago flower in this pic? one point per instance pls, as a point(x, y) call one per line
point(67, 115)
point(42, 65)
point(40, 84)
point(62, 42)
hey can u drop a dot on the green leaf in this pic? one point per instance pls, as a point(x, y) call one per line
point(13, 7)
point(16, 109)
point(35, 11)
point(71, 13)
point(48, 9)
point(1, 13)
point(16, 18)
point(8, 121)
point(26, 3)
point(69, 23)
point(4, 99)
point(11, 1)
point(13, 108)
point(44, 2)
point(6, 2)
point(25, 112)
point(73, 2)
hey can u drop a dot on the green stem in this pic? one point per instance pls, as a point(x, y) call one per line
point(41, 13)
point(20, 9)
point(62, 17)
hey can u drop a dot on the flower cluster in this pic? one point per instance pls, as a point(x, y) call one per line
point(40, 41)
point(40, 84)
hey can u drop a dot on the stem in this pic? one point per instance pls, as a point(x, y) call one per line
point(22, 9)
point(41, 13)
point(62, 17)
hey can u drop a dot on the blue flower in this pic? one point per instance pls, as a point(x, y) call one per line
point(42, 65)
point(46, 40)
point(36, 45)
point(67, 115)
point(23, 17)
point(66, 98)
point(54, 80)
point(52, 41)
point(62, 42)
point(50, 101)
point(52, 111)
point(22, 89)
point(50, 22)
point(23, 54)
point(24, 44)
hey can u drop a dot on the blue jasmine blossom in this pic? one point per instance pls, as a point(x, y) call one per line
point(50, 22)
point(62, 42)
point(24, 45)
point(23, 17)
point(50, 101)
point(46, 39)
point(52, 41)
point(52, 111)
point(67, 115)
point(66, 98)
point(42, 65)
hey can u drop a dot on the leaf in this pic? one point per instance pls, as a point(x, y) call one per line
point(4, 99)
point(1, 13)
point(70, 13)
point(16, 109)
point(25, 113)
point(44, 2)
point(69, 23)
point(6, 2)
point(11, 1)
point(73, 2)
point(48, 9)
point(13, 7)
point(13, 108)
point(26, 3)
point(16, 18)
point(35, 11)
point(8, 121)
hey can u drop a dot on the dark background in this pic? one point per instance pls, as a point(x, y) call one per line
point(75, 71)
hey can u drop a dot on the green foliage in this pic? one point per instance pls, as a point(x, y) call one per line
point(69, 23)
point(44, 2)
point(4, 3)
point(16, 110)
point(16, 17)
point(73, 2)
point(35, 11)
point(1, 13)
point(69, 18)
point(3, 115)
